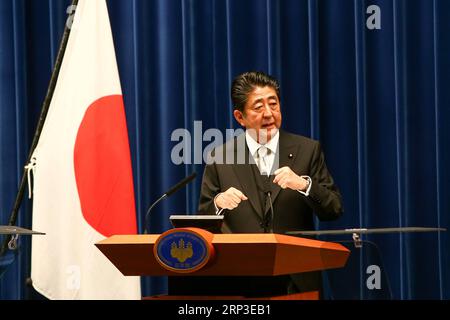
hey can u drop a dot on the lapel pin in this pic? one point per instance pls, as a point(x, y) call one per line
point(290, 156)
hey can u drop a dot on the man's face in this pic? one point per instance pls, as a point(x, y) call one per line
point(261, 113)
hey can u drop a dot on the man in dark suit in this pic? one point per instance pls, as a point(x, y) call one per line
point(268, 180)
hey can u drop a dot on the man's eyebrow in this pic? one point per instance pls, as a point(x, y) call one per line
point(257, 101)
point(261, 99)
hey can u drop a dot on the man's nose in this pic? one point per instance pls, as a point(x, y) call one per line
point(267, 111)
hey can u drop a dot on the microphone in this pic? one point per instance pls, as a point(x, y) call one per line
point(171, 191)
point(269, 221)
point(268, 217)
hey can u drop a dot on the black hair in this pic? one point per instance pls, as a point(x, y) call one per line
point(246, 82)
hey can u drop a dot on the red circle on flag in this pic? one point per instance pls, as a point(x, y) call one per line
point(103, 168)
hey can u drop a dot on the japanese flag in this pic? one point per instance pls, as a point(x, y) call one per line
point(83, 187)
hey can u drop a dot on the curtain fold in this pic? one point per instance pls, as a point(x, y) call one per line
point(377, 100)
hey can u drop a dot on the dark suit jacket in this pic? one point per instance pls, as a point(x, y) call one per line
point(292, 210)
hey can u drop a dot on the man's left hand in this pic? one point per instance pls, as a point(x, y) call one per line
point(286, 178)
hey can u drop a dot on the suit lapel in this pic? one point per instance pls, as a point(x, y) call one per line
point(286, 148)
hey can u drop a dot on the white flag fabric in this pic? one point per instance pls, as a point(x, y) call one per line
point(83, 187)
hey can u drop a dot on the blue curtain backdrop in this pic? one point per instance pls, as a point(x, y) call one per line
point(377, 100)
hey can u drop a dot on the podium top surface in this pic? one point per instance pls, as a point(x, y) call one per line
point(17, 230)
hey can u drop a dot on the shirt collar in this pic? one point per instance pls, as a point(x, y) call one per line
point(253, 146)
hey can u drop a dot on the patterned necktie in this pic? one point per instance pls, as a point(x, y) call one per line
point(263, 161)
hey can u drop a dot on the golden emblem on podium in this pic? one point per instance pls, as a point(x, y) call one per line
point(184, 249)
point(181, 252)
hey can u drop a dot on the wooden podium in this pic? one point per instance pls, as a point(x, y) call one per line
point(234, 255)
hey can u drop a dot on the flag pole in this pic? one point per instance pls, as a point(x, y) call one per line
point(40, 125)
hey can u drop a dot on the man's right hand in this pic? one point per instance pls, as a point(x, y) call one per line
point(230, 199)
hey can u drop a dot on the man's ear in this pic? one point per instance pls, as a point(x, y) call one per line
point(239, 117)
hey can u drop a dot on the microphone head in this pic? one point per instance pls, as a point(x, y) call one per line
point(172, 190)
point(181, 184)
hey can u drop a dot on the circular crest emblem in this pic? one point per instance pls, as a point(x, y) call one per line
point(183, 250)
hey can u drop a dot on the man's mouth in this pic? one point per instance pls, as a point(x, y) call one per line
point(268, 125)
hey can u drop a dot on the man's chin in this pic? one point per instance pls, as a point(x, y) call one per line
point(265, 134)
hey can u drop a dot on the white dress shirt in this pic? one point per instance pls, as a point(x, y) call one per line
point(272, 145)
